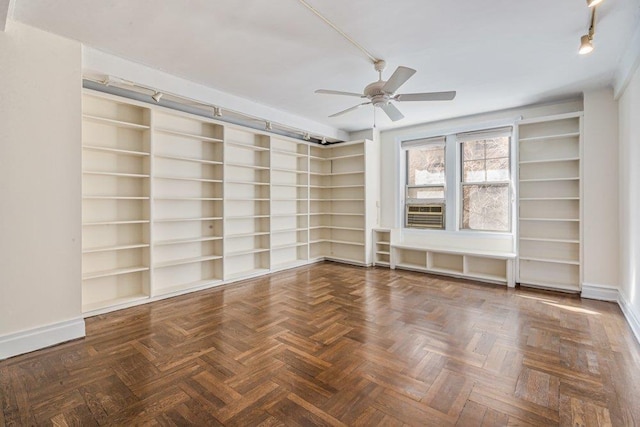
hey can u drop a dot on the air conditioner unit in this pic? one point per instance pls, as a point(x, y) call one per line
point(425, 216)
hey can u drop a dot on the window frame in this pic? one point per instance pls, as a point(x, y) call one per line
point(408, 186)
point(484, 136)
point(453, 170)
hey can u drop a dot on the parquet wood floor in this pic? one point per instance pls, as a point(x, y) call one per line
point(331, 344)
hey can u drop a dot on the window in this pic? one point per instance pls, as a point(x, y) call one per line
point(425, 188)
point(477, 163)
point(485, 181)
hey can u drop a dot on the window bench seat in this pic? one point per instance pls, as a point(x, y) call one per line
point(486, 266)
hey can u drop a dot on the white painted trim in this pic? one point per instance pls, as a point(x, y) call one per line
point(628, 64)
point(41, 337)
point(599, 292)
point(633, 319)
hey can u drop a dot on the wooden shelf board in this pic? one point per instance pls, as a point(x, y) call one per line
point(246, 216)
point(187, 240)
point(191, 199)
point(188, 159)
point(550, 240)
point(113, 272)
point(547, 137)
point(549, 260)
point(542, 199)
point(288, 245)
point(112, 122)
point(246, 252)
point(179, 178)
point(116, 174)
point(115, 198)
point(115, 150)
point(561, 159)
point(245, 146)
point(142, 221)
point(550, 179)
point(246, 182)
point(237, 235)
point(114, 248)
point(186, 261)
point(550, 219)
point(212, 218)
point(188, 135)
point(247, 166)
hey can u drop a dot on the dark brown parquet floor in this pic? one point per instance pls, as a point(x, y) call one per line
point(330, 344)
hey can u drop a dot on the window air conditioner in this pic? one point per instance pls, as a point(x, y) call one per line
point(425, 216)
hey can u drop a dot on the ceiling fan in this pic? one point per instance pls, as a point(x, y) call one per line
point(382, 92)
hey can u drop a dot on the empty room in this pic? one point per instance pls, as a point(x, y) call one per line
point(305, 212)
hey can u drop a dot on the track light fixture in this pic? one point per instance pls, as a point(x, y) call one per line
point(586, 41)
point(306, 136)
point(217, 112)
point(593, 3)
point(156, 96)
point(268, 126)
point(324, 140)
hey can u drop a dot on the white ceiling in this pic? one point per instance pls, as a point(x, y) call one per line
point(497, 53)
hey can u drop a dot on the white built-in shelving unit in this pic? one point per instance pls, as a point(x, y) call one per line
point(381, 247)
point(115, 203)
point(549, 193)
point(174, 202)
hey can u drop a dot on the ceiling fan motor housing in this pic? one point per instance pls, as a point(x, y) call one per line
point(376, 95)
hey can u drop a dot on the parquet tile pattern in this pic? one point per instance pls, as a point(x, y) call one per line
point(330, 344)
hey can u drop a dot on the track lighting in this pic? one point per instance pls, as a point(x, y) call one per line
point(593, 3)
point(306, 136)
point(586, 41)
point(156, 96)
point(324, 140)
point(585, 45)
point(267, 125)
point(217, 112)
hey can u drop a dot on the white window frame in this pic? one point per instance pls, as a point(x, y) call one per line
point(453, 195)
point(461, 138)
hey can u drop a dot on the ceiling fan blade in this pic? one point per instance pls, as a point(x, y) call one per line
point(349, 109)
point(393, 113)
point(429, 96)
point(397, 79)
point(339, 92)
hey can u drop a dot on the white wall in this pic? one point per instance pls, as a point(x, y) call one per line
point(600, 181)
point(40, 186)
point(629, 195)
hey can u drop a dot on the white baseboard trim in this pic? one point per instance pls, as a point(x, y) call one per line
point(633, 319)
point(599, 292)
point(41, 337)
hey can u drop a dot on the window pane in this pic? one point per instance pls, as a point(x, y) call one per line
point(425, 193)
point(474, 171)
point(498, 147)
point(425, 165)
point(485, 207)
point(473, 150)
point(498, 170)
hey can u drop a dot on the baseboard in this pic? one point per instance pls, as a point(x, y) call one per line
point(633, 319)
point(599, 292)
point(41, 337)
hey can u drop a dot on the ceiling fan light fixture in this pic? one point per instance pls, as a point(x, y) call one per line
point(593, 3)
point(586, 45)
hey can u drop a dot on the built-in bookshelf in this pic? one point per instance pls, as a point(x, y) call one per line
point(381, 247)
point(247, 203)
point(174, 202)
point(116, 172)
point(549, 193)
point(187, 203)
point(339, 223)
point(289, 203)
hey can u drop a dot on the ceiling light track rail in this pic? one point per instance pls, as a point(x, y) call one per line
point(139, 92)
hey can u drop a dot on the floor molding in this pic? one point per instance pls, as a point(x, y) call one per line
point(41, 337)
point(632, 318)
point(599, 292)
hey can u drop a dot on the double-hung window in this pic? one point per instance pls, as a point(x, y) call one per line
point(485, 191)
point(425, 189)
